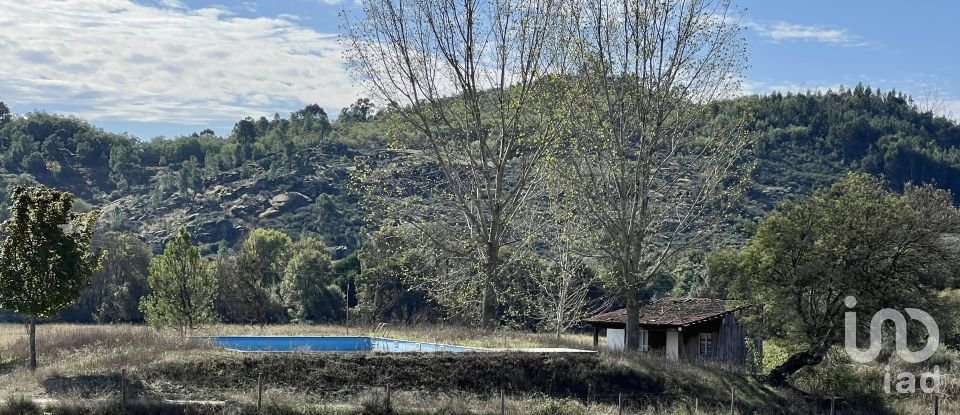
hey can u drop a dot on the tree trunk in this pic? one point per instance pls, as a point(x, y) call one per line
point(779, 375)
point(33, 343)
point(632, 334)
point(488, 312)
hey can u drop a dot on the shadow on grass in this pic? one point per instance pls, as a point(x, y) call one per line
point(325, 374)
point(7, 367)
point(720, 386)
point(92, 386)
point(19, 406)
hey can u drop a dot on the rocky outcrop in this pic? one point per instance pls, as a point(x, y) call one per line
point(289, 201)
point(217, 230)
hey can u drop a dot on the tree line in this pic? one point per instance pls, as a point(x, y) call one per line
point(69, 153)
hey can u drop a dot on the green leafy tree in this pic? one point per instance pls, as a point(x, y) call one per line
point(183, 285)
point(21, 146)
point(5, 114)
point(698, 275)
point(359, 111)
point(267, 252)
point(125, 165)
point(857, 239)
point(190, 178)
point(117, 287)
point(44, 257)
point(308, 284)
point(246, 134)
point(254, 294)
point(311, 118)
point(392, 264)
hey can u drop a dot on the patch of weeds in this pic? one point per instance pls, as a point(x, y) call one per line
point(561, 407)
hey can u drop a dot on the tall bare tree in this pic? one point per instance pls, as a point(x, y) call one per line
point(646, 172)
point(471, 81)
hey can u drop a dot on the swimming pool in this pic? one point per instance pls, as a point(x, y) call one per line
point(331, 344)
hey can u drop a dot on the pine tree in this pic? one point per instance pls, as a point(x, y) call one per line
point(184, 286)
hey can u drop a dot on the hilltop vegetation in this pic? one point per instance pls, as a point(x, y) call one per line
point(808, 140)
point(217, 185)
point(222, 185)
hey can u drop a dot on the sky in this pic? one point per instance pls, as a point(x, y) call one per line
point(172, 67)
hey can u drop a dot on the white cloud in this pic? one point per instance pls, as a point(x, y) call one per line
point(290, 17)
point(116, 59)
point(749, 87)
point(782, 31)
point(176, 4)
point(952, 109)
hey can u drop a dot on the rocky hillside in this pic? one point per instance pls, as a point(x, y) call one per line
point(300, 174)
point(310, 197)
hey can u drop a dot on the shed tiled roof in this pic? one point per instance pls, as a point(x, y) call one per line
point(670, 312)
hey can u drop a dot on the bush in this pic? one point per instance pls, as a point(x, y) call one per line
point(377, 403)
point(561, 407)
point(839, 376)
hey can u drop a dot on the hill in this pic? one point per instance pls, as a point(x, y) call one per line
point(298, 174)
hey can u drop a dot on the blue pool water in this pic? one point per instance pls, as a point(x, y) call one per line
point(331, 344)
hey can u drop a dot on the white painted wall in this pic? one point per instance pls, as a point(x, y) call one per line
point(673, 345)
point(615, 339)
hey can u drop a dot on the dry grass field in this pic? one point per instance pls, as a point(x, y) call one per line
point(82, 364)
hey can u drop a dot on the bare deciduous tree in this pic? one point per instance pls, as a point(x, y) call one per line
point(645, 172)
point(565, 286)
point(471, 82)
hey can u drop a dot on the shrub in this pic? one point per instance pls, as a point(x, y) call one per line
point(561, 407)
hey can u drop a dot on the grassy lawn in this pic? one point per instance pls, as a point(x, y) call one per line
point(83, 363)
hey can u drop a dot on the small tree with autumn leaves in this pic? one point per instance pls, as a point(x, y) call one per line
point(45, 259)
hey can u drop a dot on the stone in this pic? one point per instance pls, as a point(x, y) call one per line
point(289, 201)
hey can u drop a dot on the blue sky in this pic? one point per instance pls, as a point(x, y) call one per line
point(172, 67)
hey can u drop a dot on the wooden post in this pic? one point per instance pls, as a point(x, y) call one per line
point(596, 338)
point(503, 403)
point(388, 405)
point(260, 393)
point(696, 405)
point(620, 404)
point(936, 404)
point(32, 332)
point(733, 399)
point(832, 401)
point(123, 390)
